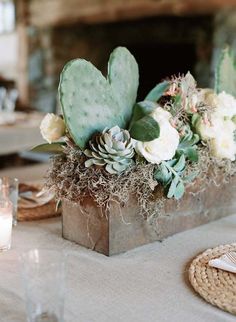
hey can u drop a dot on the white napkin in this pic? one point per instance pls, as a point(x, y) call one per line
point(227, 262)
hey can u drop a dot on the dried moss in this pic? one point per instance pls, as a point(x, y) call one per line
point(70, 180)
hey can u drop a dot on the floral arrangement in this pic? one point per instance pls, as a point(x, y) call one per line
point(110, 145)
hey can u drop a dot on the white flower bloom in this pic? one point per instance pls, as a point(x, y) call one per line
point(224, 147)
point(219, 133)
point(208, 130)
point(52, 127)
point(225, 105)
point(159, 114)
point(165, 146)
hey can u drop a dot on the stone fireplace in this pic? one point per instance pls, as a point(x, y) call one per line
point(162, 44)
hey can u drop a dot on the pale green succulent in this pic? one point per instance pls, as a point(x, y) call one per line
point(113, 148)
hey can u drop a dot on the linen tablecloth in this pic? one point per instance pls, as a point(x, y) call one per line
point(147, 284)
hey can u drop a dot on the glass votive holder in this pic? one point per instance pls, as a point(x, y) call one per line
point(43, 278)
point(12, 184)
point(13, 195)
point(5, 224)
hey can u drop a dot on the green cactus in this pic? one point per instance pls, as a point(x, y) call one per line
point(225, 73)
point(91, 102)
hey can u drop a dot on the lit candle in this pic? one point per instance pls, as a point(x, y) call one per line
point(5, 229)
point(5, 220)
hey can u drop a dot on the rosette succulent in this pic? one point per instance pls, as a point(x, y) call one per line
point(113, 148)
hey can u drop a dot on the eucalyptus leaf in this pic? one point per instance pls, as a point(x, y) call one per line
point(156, 93)
point(146, 129)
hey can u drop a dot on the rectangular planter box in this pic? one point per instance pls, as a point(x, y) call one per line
point(88, 226)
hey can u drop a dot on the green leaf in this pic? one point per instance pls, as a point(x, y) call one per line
point(162, 174)
point(179, 190)
point(146, 129)
point(172, 187)
point(187, 146)
point(180, 165)
point(142, 109)
point(192, 153)
point(156, 93)
point(56, 147)
point(225, 73)
point(194, 120)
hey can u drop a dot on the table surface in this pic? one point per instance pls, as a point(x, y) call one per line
point(22, 135)
point(147, 284)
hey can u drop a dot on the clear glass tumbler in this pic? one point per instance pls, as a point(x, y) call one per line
point(43, 277)
point(13, 195)
point(13, 188)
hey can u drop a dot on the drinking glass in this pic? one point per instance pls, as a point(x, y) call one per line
point(3, 92)
point(10, 100)
point(13, 186)
point(43, 277)
point(13, 195)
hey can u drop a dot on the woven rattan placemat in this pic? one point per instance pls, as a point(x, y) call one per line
point(216, 286)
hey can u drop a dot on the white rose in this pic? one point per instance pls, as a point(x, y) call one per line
point(165, 146)
point(219, 133)
point(209, 129)
point(52, 127)
point(223, 147)
point(225, 105)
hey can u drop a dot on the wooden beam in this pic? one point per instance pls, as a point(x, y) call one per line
point(59, 12)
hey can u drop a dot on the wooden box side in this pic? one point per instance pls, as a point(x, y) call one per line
point(85, 225)
point(125, 228)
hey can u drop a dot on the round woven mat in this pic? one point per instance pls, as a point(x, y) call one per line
point(216, 286)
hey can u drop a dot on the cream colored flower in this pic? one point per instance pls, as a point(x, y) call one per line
point(224, 147)
point(225, 105)
point(219, 133)
point(52, 127)
point(165, 146)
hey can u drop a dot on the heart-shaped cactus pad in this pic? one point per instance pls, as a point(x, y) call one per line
point(91, 102)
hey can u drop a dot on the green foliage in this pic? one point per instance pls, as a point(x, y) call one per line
point(225, 73)
point(156, 93)
point(143, 127)
point(91, 102)
point(194, 120)
point(187, 146)
point(146, 129)
point(56, 147)
point(142, 109)
point(171, 175)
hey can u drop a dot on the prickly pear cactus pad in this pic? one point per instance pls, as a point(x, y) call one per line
point(91, 102)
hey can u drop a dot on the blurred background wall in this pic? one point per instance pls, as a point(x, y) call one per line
point(165, 36)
